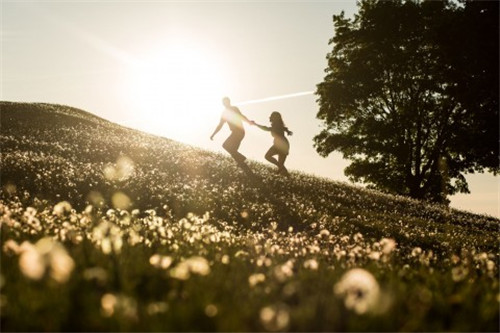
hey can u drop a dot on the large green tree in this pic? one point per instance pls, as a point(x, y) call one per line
point(410, 95)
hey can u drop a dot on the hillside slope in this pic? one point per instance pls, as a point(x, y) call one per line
point(61, 153)
point(53, 153)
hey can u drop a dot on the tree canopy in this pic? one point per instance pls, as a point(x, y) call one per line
point(410, 95)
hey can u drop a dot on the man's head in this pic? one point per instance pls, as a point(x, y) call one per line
point(226, 101)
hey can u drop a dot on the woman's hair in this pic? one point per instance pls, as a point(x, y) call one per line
point(276, 120)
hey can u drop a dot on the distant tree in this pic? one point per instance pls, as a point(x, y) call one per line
point(411, 95)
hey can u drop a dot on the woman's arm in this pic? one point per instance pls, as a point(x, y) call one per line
point(264, 128)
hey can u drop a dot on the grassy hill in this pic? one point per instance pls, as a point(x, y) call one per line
point(111, 229)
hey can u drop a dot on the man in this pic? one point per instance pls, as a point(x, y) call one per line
point(234, 118)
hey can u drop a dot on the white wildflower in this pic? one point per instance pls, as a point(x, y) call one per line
point(255, 279)
point(359, 289)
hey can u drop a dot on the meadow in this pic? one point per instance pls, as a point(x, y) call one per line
point(105, 228)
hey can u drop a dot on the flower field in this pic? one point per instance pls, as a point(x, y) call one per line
point(105, 228)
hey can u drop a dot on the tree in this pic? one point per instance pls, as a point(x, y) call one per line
point(410, 95)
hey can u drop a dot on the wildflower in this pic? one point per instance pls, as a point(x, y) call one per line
point(156, 308)
point(211, 310)
point(159, 261)
point(311, 264)
point(196, 265)
point(275, 318)
point(96, 273)
point(375, 255)
point(31, 262)
point(62, 208)
point(121, 201)
point(11, 247)
point(122, 170)
point(490, 265)
point(225, 259)
point(118, 304)
point(459, 273)
point(416, 252)
point(358, 237)
point(284, 271)
point(359, 289)
point(388, 245)
point(323, 233)
point(180, 272)
point(108, 236)
point(241, 253)
point(255, 279)
point(45, 255)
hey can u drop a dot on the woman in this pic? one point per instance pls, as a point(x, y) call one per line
point(281, 146)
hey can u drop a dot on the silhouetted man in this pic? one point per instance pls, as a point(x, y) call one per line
point(234, 118)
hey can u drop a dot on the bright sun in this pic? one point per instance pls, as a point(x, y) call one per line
point(178, 91)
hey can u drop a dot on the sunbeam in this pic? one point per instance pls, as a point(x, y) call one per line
point(274, 98)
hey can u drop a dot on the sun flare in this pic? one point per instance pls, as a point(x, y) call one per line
point(176, 91)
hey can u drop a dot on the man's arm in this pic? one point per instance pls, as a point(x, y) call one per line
point(251, 122)
point(217, 129)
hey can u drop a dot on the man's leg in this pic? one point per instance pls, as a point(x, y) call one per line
point(232, 144)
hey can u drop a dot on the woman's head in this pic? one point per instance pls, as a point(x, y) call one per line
point(275, 117)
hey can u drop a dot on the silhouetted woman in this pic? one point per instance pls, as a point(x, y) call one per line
point(281, 146)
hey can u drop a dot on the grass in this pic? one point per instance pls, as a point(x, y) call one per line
point(105, 228)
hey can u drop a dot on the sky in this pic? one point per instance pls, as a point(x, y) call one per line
point(164, 66)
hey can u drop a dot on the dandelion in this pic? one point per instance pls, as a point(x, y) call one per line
point(159, 261)
point(225, 259)
point(45, 255)
point(311, 264)
point(195, 265)
point(122, 170)
point(108, 304)
point(119, 305)
point(62, 208)
point(388, 245)
point(96, 273)
point(416, 251)
point(284, 271)
point(157, 308)
point(211, 310)
point(323, 233)
point(11, 247)
point(121, 201)
point(180, 272)
point(255, 279)
point(359, 289)
point(358, 237)
point(459, 273)
point(275, 318)
point(198, 265)
point(375, 255)
point(31, 262)
point(61, 264)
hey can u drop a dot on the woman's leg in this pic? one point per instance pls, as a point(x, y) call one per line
point(270, 156)
point(281, 163)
